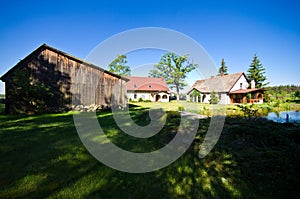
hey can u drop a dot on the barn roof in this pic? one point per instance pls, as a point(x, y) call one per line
point(146, 84)
point(45, 46)
point(222, 83)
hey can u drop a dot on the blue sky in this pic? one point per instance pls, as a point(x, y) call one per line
point(233, 30)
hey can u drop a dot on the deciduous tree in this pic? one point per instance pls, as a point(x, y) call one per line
point(174, 69)
point(119, 67)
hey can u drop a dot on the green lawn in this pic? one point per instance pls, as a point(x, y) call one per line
point(2, 108)
point(173, 105)
point(42, 156)
point(229, 109)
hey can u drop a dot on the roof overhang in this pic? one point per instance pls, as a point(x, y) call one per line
point(245, 91)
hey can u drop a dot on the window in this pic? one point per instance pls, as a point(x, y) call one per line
point(135, 86)
point(220, 96)
point(241, 85)
point(165, 97)
point(150, 86)
point(134, 96)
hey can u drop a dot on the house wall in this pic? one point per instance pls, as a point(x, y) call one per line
point(205, 97)
point(135, 95)
point(164, 97)
point(223, 98)
point(242, 80)
point(68, 79)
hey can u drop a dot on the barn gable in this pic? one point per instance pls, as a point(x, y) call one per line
point(55, 79)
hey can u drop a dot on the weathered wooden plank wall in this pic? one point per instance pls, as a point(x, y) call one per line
point(70, 78)
point(90, 85)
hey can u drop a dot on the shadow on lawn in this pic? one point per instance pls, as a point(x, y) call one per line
point(42, 156)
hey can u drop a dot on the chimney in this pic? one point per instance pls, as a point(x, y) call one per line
point(211, 77)
point(222, 74)
point(252, 84)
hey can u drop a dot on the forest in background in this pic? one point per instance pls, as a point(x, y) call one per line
point(283, 93)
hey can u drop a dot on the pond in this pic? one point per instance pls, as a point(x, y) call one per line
point(284, 116)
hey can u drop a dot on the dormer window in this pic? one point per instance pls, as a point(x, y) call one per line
point(150, 86)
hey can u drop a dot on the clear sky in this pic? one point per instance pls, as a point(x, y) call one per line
point(233, 30)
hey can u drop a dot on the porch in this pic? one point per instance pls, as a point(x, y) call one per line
point(255, 96)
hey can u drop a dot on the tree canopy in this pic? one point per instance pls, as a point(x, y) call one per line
point(173, 69)
point(119, 67)
point(223, 69)
point(33, 96)
point(256, 72)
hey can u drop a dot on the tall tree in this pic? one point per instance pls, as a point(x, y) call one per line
point(173, 69)
point(223, 69)
point(256, 71)
point(118, 66)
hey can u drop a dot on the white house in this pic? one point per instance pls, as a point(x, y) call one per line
point(232, 88)
point(147, 88)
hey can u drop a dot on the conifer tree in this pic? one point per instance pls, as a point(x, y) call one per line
point(256, 72)
point(223, 69)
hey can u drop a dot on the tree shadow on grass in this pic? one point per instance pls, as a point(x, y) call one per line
point(42, 156)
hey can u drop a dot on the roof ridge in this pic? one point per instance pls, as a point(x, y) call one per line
point(46, 46)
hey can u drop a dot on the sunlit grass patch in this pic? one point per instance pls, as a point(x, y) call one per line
point(42, 156)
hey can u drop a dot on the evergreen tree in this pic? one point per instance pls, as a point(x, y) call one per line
point(118, 66)
point(214, 99)
point(256, 72)
point(223, 69)
point(297, 94)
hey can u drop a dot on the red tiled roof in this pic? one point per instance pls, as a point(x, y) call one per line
point(146, 84)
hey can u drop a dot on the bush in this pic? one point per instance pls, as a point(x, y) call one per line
point(205, 111)
point(213, 98)
point(248, 111)
point(180, 108)
point(140, 100)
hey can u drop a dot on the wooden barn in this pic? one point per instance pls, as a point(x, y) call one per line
point(49, 80)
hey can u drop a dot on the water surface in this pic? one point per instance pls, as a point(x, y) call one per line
point(284, 116)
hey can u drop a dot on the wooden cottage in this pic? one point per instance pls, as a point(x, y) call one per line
point(49, 80)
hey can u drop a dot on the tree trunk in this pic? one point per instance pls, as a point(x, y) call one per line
point(177, 93)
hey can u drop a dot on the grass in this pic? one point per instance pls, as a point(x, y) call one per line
point(2, 108)
point(230, 110)
point(42, 157)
